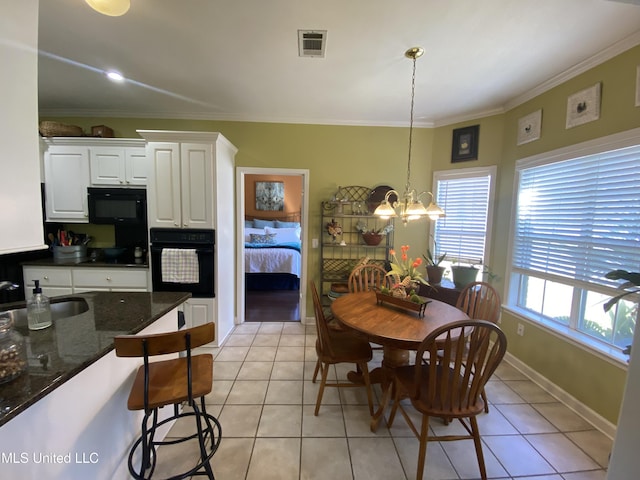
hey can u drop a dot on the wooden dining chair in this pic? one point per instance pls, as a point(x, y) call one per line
point(332, 347)
point(481, 301)
point(171, 382)
point(368, 276)
point(450, 386)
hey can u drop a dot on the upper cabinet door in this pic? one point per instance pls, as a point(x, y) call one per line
point(164, 189)
point(123, 167)
point(197, 185)
point(107, 166)
point(66, 181)
point(136, 166)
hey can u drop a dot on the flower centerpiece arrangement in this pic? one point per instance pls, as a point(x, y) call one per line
point(372, 236)
point(403, 291)
point(405, 275)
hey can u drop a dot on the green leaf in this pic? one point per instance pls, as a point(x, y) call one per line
point(632, 277)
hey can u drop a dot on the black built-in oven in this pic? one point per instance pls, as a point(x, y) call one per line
point(200, 240)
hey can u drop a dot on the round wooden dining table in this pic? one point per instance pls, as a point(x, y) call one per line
point(396, 329)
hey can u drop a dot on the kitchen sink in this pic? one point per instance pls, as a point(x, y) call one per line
point(63, 308)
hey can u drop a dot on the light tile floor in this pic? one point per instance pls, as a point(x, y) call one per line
point(264, 398)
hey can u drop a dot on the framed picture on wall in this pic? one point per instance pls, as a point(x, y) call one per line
point(583, 106)
point(270, 196)
point(529, 127)
point(465, 144)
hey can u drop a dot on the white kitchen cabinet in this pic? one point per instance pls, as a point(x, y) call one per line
point(186, 171)
point(119, 165)
point(110, 279)
point(191, 185)
point(21, 178)
point(66, 178)
point(71, 164)
point(198, 311)
point(65, 280)
point(54, 281)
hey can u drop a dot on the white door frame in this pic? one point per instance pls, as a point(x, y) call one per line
point(304, 224)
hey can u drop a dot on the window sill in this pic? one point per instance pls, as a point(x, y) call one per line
point(610, 354)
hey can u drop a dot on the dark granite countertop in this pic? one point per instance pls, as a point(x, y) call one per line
point(58, 353)
point(50, 262)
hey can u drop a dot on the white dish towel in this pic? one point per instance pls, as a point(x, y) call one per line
point(180, 265)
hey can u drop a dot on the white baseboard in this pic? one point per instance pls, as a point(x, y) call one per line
point(599, 422)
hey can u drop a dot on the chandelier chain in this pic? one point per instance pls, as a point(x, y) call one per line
point(413, 89)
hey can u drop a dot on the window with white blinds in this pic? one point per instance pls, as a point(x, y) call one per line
point(579, 218)
point(466, 196)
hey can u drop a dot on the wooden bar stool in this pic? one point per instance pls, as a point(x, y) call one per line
point(171, 382)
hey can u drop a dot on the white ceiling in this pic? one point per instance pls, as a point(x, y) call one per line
point(238, 59)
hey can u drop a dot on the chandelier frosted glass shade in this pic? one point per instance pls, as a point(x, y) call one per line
point(408, 208)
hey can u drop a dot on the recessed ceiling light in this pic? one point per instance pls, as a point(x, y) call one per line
point(115, 76)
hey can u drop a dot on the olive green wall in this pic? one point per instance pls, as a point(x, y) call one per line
point(593, 380)
point(370, 156)
point(335, 156)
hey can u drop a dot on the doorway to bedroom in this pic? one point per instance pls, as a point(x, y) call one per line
point(271, 228)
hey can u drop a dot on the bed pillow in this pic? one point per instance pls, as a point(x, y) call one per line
point(265, 238)
point(285, 235)
point(280, 224)
point(248, 224)
point(257, 223)
point(255, 231)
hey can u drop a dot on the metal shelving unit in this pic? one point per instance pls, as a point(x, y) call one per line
point(339, 257)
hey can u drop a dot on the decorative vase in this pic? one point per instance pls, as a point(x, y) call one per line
point(434, 272)
point(371, 238)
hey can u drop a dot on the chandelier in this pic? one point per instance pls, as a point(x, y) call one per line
point(408, 205)
point(112, 8)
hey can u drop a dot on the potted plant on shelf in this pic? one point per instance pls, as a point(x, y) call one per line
point(373, 237)
point(630, 286)
point(334, 229)
point(463, 275)
point(434, 270)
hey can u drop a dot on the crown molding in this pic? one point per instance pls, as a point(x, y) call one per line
point(598, 59)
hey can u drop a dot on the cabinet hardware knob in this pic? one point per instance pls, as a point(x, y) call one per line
point(46, 278)
point(109, 279)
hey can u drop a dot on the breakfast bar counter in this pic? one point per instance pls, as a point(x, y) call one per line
point(70, 406)
point(58, 353)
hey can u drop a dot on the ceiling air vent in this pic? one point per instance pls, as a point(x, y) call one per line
point(311, 43)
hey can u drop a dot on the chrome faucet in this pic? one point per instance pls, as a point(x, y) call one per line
point(6, 285)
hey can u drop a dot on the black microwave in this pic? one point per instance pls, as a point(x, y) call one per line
point(117, 206)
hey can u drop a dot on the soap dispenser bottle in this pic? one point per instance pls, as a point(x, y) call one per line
point(38, 309)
